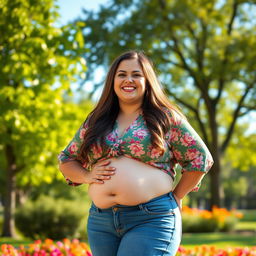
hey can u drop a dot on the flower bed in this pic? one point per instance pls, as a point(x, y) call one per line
point(219, 219)
point(213, 251)
point(76, 248)
point(48, 248)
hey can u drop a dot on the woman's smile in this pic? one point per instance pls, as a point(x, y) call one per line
point(129, 88)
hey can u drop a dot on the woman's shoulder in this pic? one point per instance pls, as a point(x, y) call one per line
point(175, 116)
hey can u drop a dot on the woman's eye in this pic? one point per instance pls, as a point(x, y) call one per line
point(137, 75)
point(121, 75)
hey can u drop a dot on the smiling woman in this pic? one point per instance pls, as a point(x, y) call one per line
point(126, 150)
point(130, 82)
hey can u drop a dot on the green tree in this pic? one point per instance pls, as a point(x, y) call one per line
point(38, 61)
point(203, 51)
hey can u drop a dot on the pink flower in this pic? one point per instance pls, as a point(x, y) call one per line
point(97, 151)
point(187, 140)
point(111, 137)
point(82, 133)
point(136, 149)
point(198, 162)
point(177, 154)
point(155, 153)
point(192, 153)
point(176, 121)
point(59, 244)
point(134, 141)
point(209, 163)
point(72, 149)
point(140, 133)
point(175, 134)
point(114, 151)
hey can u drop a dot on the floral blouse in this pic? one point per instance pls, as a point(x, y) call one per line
point(182, 145)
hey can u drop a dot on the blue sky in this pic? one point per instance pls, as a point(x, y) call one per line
point(73, 9)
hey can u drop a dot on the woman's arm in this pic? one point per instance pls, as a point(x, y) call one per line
point(190, 152)
point(74, 172)
point(186, 183)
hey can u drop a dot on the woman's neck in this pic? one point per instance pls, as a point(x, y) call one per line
point(130, 109)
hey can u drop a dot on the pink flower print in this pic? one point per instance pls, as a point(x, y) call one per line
point(155, 153)
point(187, 140)
point(111, 137)
point(134, 141)
point(192, 153)
point(82, 133)
point(175, 134)
point(177, 154)
point(97, 152)
point(136, 149)
point(140, 133)
point(175, 121)
point(209, 163)
point(114, 150)
point(198, 162)
point(72, 149)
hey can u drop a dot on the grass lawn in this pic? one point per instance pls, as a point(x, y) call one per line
point(14, 242)
point(220, 240)
point(248, 222)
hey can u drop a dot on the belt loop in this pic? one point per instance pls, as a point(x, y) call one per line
point(97, 209)
point(170, 194)
point(141, 207)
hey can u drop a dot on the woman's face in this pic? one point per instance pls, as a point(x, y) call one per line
point(130, 82)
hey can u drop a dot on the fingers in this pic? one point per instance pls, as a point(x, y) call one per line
point(98, 181)
point(104, 175)
point(101, 172)
point(103, 163)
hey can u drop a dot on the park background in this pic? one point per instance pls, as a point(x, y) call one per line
point(53, 63)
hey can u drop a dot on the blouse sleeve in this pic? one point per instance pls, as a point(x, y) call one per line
point(70, 153)
point(188, 149)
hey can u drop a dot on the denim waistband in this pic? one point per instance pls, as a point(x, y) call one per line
point(121, 207)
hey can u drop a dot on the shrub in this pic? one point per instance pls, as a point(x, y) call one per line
point(49, 217)
point(219, 219)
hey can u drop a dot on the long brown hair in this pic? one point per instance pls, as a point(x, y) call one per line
point(102, 119)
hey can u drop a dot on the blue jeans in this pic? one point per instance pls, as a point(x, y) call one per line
point(148, 229)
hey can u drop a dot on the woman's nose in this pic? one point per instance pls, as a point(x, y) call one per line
point(128, 79)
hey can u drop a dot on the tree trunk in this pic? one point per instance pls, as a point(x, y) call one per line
point(9, 200)
point(215, 185)
point(215, 181)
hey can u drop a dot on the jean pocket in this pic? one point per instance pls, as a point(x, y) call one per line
point(161, 207)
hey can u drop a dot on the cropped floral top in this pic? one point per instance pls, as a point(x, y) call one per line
point(182, 146)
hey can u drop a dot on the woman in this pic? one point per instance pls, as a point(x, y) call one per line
point(126, 150)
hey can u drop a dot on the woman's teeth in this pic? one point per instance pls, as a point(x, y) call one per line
point(128, 88)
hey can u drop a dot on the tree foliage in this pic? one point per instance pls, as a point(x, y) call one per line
point(38, 62)
point(202, 51)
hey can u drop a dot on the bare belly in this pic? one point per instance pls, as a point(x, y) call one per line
point(133, 183)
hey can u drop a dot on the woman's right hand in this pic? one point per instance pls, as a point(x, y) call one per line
point(100, 172)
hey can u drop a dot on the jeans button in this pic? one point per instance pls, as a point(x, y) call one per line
point(115, 209)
